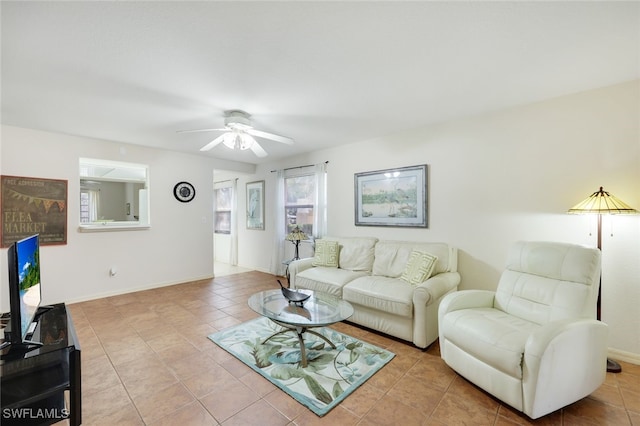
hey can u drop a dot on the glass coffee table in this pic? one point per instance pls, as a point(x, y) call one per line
point(319, 310)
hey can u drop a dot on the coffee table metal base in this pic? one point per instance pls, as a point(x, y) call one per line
point(300, 332)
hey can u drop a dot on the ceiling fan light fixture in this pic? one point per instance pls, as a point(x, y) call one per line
point(246, 141)
point(238, 140)
point(229, 140)
point(237, 120)
point(239, 134)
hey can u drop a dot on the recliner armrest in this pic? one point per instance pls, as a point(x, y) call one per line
point(539, 341)
point(466, 299)
point(563, 361)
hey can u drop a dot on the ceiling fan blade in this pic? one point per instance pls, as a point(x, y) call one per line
point(271, 136)
point(213, 143)
point(258, 150)
point(200, 130)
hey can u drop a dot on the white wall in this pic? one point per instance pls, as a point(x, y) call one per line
point(177, 248)
point(493, 179)
point(501, 177)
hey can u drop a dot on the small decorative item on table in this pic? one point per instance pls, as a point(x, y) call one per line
point(293, 296)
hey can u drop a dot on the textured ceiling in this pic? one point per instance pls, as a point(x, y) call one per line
point(323, 73)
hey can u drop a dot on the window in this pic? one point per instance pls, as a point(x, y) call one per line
point(113, 195)
point(301, 200)
point(222, 214)
point(89, 200)
point(299, 196)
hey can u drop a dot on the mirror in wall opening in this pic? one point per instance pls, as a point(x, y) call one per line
point(113, 195)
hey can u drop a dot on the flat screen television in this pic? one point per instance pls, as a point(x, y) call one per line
point(24, 289)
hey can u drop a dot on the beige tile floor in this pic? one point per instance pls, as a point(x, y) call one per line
point(146, 360)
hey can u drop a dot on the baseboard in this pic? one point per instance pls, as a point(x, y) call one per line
point(266, 271)
point(618, 355)
point(133, 290)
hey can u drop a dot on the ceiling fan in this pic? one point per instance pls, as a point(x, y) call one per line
point(239, 134)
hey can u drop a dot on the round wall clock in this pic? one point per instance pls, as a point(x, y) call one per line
point(184, 192)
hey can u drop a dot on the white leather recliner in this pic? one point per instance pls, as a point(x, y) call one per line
point(534, 343)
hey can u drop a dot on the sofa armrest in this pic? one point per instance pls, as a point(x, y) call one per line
point(426, 296)
point(563, 361)
point(434, 288)
point(298, 266)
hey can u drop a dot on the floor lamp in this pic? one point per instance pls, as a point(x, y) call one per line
point(601, 203)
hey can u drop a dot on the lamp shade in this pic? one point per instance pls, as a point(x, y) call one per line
point(601, 202)
point(296, 234)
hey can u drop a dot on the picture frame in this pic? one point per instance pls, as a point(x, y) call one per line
point(32, 205)
point(392, 197)
point(255, 205)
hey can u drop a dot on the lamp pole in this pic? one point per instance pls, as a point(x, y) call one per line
point(599, 232)
point(612, 366)
point(296, 256)
point(601, 202)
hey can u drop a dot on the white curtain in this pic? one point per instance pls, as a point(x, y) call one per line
point(233, 255)
point(320, 218)
point(277, 252)
point(94, 204)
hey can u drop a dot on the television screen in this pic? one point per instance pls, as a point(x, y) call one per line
point(24, 279)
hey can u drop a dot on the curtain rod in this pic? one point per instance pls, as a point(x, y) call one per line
point(300, 167)
point(223, 181)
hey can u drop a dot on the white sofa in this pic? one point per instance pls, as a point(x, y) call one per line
point(535, 342)
point(368, 276)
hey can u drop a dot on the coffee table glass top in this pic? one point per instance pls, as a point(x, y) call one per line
point(318, 310)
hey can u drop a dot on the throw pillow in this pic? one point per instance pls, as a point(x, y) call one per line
point(326, 253)
point(419, 267)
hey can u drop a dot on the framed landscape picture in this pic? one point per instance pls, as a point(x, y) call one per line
point(393, 197)
point(255, 205)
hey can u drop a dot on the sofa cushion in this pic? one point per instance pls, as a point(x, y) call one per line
point(419, 267)
point(326, 279)
point(490, 335)
point(385, 294)
point(391, 257)
point(356, 253)
point(326, 253)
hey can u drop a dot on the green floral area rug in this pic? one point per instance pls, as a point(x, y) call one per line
point(331, 374)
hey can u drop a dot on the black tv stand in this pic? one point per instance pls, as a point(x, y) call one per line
point(15, 341)
point(24, 347)
point(27, 344)
point(42, 309)
point(34, 380)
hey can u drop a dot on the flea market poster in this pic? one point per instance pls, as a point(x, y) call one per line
point(33, 206)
